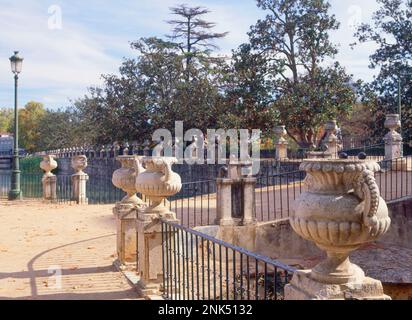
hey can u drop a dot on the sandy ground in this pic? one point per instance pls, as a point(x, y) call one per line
point(59, 252)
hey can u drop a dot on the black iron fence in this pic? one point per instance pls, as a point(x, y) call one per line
point(195, 204)
point(275, 193)
point(395, 178)
point(199, 267)
point(5, 180)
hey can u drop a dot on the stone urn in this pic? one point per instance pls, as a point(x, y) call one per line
point(280, 131)
point(331, 126)
point(125, 178)
point(79, 163)
point(48, 165)
point(340, 211)
point(392, 122)
point(158, 182)
point(393, 142)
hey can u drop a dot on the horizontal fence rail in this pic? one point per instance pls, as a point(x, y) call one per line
point(199, 267)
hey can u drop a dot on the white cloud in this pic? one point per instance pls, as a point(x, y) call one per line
point(72, 57)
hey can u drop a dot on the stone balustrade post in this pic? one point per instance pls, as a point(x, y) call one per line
point(157, 182)
point(281, 144)
point(125, 211)
point(331, 140)
point(393, 140)
point(235, 200)
point(79, 179)
point(49, 180)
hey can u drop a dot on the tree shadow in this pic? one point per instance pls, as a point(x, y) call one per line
point(101, 279)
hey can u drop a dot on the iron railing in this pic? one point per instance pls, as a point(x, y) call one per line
point(199, 267)
point(275, 193)
point(5, 183)
point(395, 178)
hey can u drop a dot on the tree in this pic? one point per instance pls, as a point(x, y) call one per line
point(153, 91)
point(6, 118)
point(192, 34)
point(29, 125)
point(248, 92)
point(391, 30)
point(294, 40)
point(63, 129)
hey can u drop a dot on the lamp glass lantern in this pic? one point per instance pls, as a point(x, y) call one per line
point(16, 63)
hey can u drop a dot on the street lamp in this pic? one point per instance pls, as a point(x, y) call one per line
point(400, 74)
point(15, 191)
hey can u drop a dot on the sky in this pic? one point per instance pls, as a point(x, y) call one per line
point(68, 45)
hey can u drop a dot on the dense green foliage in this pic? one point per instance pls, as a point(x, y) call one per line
point(391, 30)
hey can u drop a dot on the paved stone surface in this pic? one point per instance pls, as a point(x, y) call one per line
point(39, 242)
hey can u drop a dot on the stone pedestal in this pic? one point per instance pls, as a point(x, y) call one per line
point(393, 140)
point(49, 188)
point(79, 188)
point(149, 250)
point(331, 140)
point(224, 202)
point(303, 287)
point(235, 199)
point(332, 143)
point(281, 143)
point(79, 179)
point(126, 241)
point(49, 180)
point(393, 145)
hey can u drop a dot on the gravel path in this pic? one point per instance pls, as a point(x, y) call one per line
point(39, 242)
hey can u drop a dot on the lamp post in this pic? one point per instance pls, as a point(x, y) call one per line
point(15, 192)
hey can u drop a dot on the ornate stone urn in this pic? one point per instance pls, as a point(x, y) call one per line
point(340, 211)
point(392, 122)
point(331, 126)
point(331, 140)
point(48, 165)
point(79, 163)
point(158, 182)
point(125, 178)
point(49, 180)
point(280, 131)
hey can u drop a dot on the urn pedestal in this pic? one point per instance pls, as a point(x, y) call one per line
point(79, 179)
point(49, 180)
point(281, 143)
point(125, 211)
point(331, 140)
point(156, 183)
point(340, 211)
point(393, 143)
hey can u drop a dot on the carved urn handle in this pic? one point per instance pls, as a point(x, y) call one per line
point(370, 196)
point(137, 165)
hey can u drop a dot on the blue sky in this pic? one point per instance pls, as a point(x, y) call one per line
point(61, 63)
